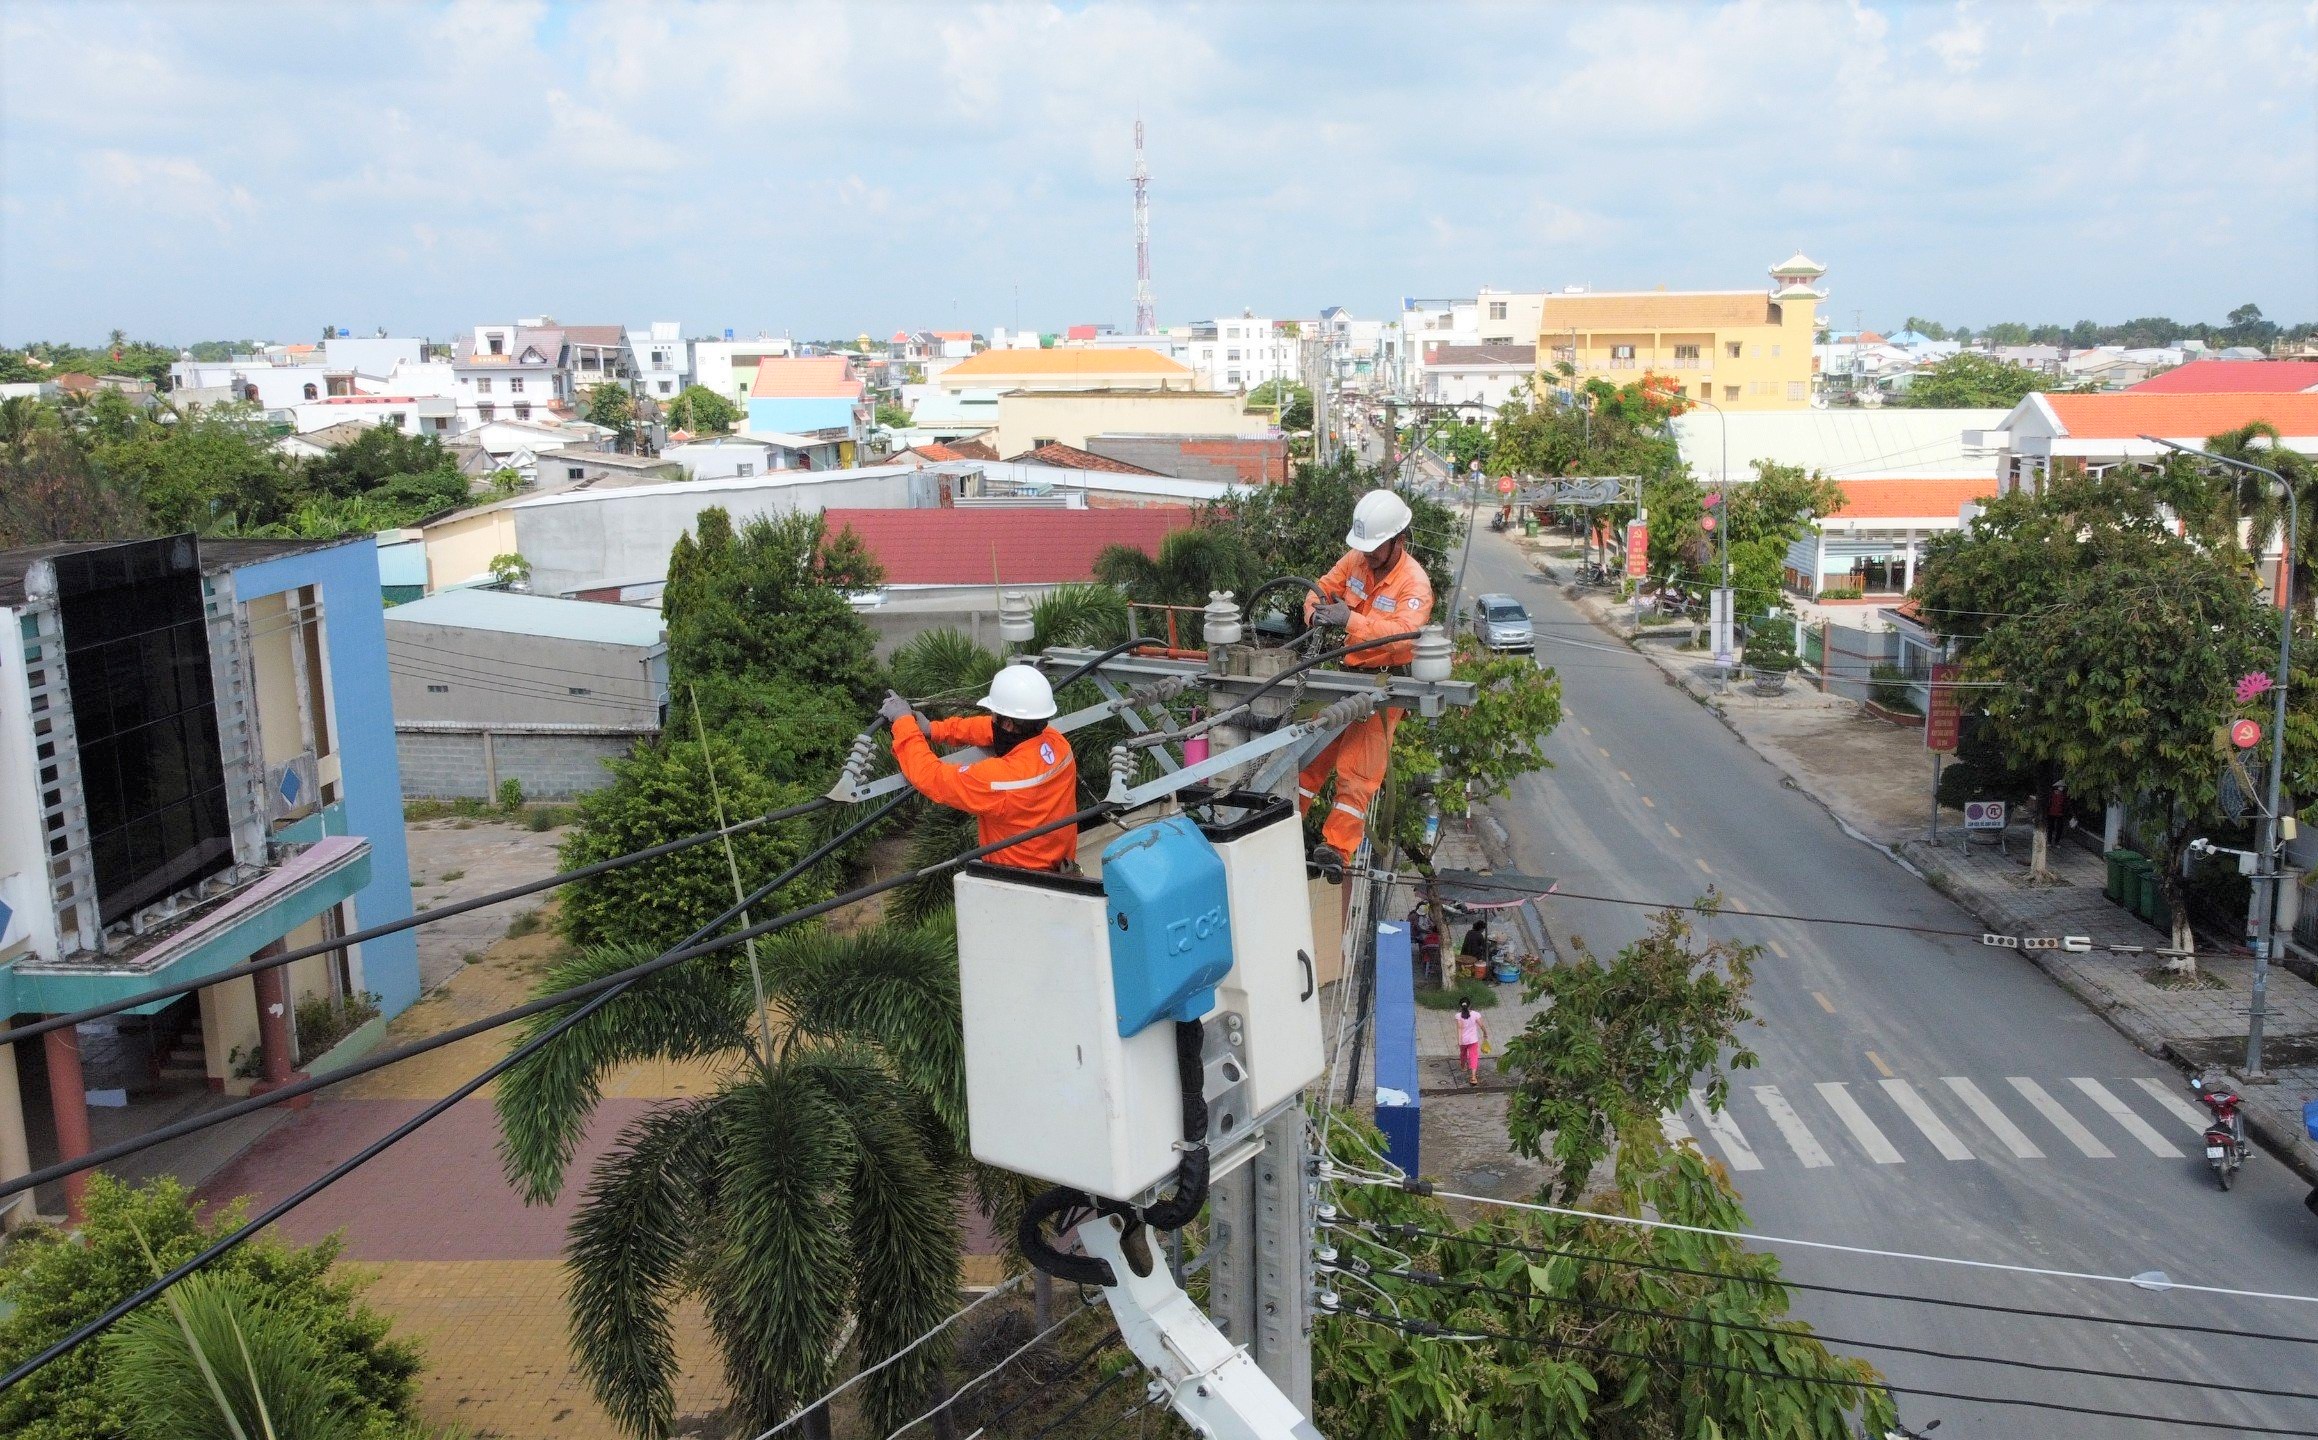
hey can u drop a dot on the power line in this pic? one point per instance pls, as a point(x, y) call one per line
point(379, 1146)
point(1404, 1231)
point(587, 990)
point(1017, 1353)
point(1586, 1304)
point(858, 1376)
point(412, 921)
point(1419, 1187)
point(1696, 906)
point(1084, 1401)
point(1108, 1339)
point(1429, 1331)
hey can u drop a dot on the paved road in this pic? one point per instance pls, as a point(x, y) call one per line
point(1914, 1093)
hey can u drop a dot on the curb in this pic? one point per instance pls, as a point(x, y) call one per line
point(2285, 1142)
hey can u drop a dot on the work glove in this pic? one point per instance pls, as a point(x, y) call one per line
point(1335, 612)
point(892, 708)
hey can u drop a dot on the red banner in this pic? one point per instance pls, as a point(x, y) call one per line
point(1946, 717)
point(1637, 549)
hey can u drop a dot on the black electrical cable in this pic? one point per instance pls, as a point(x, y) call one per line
point(195, 1124)
point(1109, 1339)
point(1083, 1402)
point(1724, 911)
point(1584, 1304)
point(408, 922)
point(1547, 1252)
point(1089, 667)
point(372, 1151)
point(1277, 582)
point(1429, 1331)
point(1323, 658)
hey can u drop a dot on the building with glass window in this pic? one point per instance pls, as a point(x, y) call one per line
point(1739, 349)
point(197, 766)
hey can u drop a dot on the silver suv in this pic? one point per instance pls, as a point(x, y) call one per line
point(1500, 623)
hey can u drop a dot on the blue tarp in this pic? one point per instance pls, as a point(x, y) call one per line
point(1399, 1106)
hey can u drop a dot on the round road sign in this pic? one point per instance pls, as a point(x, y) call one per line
point(2245, 734)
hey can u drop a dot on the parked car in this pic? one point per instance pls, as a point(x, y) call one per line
point(1500, 623)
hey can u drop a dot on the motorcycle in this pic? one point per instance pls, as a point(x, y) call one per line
point(2225, 1138)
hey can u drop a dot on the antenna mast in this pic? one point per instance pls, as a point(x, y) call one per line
point(1146, 312)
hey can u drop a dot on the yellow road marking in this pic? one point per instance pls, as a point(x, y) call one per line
point(1622, 775)
point(1778, 950)
point(1582, 730)
point(1673, 832)
point(1709, 869)
point(1824, 1003)
point(1603, 753)
point(1739, 905)
point(1649, 802)
point(1878, 1059)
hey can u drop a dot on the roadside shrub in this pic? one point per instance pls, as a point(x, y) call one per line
point(324, 1021)
point(1887, 685)
point(1843, 592)
point(1480, 992)
point(1770, 646)
point(510, 794)
point(55, 1281)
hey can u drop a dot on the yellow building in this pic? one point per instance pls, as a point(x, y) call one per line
point(1073, 368)
point(1741, 349)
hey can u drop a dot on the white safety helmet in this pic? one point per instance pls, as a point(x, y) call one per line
point(1378, 517)
point(1019, 692)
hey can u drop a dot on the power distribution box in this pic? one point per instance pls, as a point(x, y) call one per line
point(1053, 1090)
point(1171, 922)
point(1274, 982)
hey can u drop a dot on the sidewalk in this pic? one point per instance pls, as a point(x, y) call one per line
point(1874, 778)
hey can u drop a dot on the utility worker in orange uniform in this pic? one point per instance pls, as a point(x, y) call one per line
point(1029, 778)
point(1377, 589)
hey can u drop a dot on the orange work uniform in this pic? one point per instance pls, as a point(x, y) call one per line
point(1401, 600)
point(1034, 784)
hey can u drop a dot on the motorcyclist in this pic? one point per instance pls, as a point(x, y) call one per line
point(1377, 589)
point(1029, 778)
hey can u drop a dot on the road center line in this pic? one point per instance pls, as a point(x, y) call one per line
point(1778, 949)
point(1824, 1004)
point(1880, 1068)
point(1935, 1129)
point(2131, 1123)
point(1672, 831)
point(1864, 1130)
point(1709, 869)
point(1600, 751)
point(2060, 1119)
point(1726, 1134)
point(1799, 1139)
point(1646, 800)
point(1622, 775)
point(2000, 1124)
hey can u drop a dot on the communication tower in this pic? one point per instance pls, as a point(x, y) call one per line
point(1146, 312)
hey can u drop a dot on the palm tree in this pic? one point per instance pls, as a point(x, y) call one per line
point(2253, 497)
point(819, 1182)
point(1190, 563)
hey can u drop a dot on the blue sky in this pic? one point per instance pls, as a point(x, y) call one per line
point(188, 170)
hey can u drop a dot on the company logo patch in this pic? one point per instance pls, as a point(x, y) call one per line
point(1046, 752)
point(1386, 603)
point(1357, 586)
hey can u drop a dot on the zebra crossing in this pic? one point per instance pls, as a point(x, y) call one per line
point(1955, 1120)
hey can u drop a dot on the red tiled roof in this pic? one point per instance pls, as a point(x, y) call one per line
point(2233, 377)
point(936, 451)
point(2125, 414)
point(1030, 547)
point(1912, 499)
point(1070, 457)
point(973, 450)
point(593, 334)
point(806, 377)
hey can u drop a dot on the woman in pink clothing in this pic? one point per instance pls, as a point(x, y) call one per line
point(1471, 1034)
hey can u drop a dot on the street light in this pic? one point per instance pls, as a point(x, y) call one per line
point(1725, 639)
point(2265, 915)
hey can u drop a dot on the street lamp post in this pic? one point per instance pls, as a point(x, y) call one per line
point(2266, 904)
point(1727, 639)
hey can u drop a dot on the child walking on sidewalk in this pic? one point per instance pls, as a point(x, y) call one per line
point(1471, 1036)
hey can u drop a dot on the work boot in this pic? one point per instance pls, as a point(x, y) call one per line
point(1326, 863)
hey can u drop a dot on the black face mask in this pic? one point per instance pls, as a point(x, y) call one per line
point(1007, 733)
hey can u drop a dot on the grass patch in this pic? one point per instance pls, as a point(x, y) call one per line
point(529, 922)
point(541, 818)
point(449, 875)
point(1480, 992)
point(2165, 979)
point(468, 808)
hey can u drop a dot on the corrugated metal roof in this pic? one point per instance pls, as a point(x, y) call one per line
point(1892, 442)
point(541, 615)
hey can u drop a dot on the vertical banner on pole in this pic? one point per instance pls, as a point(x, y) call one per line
point(1943, 724)
point(1719, 614)
point(1637, 549)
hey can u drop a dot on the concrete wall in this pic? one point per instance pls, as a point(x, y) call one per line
point(1027, 418)
point(461, 548)
point(578, 541)
point(492, 677)
point(560, 762)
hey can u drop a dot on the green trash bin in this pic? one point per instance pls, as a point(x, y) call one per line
point(2121, 862)
point(2146, 903)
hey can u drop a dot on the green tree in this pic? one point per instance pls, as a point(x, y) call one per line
point(611, 406)
point(50, 490)
point(660, 792)
point(1604, 1330)
point(2111, 645)
point(1295, 414)
point(1969, 380)
point(819, 1181)
point(699, 410)
point(200, 473)
point(1621, 1044)
point(52, 1282)
point(891, 416)
point(1478, 751)
point(768, 603)
point(370, 459)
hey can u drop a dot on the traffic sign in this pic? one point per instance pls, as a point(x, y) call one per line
point(1983, 814)
point(2245, 734)
point(1505, 485)
point(1945, 722)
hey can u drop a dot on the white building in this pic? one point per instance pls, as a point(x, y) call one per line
point(1509, 317)
point(510, 372)
point(1240, 353)
point(1352, 347)
point(659, 360)
point(258, 381)
point(729, 366)
point(1423, 322)
point(726, 457)
point(1473, 374)
point(436, 415)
